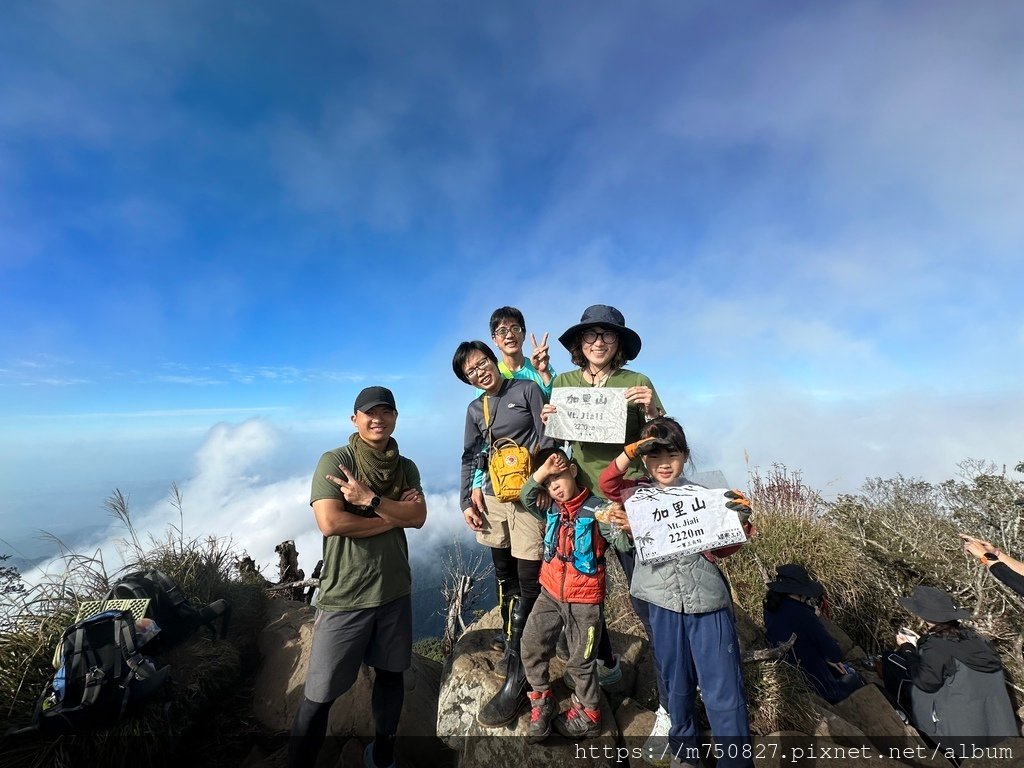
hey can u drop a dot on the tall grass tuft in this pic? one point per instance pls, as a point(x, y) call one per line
point(204, 673)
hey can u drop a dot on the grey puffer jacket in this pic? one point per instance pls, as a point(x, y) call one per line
point(688, 584)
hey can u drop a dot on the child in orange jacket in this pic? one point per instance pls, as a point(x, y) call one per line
point(572, 580)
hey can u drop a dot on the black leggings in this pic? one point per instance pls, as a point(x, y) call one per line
point(526, 572)
point(309, 728)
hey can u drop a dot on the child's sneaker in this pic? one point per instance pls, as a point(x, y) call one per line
point(607, 676)
point(542, 709)
point(656, 750)
point(578, 722)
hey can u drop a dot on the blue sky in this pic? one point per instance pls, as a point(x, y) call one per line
point(218, 221)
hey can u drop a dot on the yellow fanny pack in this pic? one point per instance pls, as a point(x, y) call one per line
point(508, 463)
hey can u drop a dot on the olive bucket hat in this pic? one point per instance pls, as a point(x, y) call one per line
point(606, 317)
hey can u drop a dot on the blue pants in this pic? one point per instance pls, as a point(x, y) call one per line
point(702, 648)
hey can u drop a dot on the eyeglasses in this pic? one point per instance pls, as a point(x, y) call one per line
point(502, 332)
point(608, 337)
point(476, 370)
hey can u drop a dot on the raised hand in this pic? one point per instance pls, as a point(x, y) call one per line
point(644, 397)
point(739, 504)
point(978, 547)
point(640, 447)
point(355, 492)
point(539, 356)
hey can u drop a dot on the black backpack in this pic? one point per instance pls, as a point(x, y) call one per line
point(102, 675)
point(168, 607)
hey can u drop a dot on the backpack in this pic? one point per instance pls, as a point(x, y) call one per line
point(101, 675)
point(168, 607)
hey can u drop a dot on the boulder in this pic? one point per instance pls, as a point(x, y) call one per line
point(277, 690)
point(839, 635)
point(634, 722)
point(875, 716)
point(469, 681)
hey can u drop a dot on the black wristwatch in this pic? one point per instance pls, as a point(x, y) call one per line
point(375, 502)
point(991, 556)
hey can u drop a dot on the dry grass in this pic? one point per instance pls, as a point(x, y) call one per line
point(779, 698)
point(205, 673)
point(870, 548)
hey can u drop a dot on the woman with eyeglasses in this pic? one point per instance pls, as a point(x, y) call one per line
point(600, 346)
point(505, 408)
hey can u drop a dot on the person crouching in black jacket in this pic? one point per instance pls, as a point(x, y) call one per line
point(790, 608)
point(959, 698)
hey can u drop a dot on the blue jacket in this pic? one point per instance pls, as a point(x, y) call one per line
point(814, 646)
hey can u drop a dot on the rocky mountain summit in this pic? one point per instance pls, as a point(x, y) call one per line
point(439, 727)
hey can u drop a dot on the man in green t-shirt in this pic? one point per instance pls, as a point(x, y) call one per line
point(364, 495)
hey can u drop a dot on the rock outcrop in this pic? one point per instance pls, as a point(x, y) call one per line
point(441, 704)
point(277, 691)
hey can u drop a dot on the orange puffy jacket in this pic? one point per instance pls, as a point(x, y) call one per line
point(573, 545)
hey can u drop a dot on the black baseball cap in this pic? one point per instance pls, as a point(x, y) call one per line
point(373, 396)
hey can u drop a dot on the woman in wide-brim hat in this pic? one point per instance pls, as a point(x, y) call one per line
point(959, 696)
point(600, 345)
point(789, 608)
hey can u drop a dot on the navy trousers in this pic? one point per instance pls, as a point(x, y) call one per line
point(702, 649)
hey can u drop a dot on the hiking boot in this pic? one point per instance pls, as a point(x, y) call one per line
point(542, 709)
point(656, 750)
point(501, 665)
point(606, 676)
point(578, 722)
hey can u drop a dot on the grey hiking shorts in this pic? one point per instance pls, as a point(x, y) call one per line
point(379, 637)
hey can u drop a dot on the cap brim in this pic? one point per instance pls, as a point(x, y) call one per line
point(373, 404)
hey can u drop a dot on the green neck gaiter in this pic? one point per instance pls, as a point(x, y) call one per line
point(381, 470)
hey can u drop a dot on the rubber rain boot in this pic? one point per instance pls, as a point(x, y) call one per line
point(510, 700)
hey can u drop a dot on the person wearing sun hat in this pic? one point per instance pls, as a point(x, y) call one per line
point(600, 345)
point(789, 608)
point(959, 697)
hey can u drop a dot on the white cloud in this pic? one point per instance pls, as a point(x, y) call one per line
point(235, 495)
